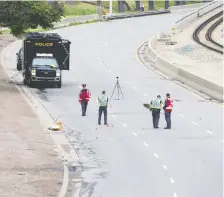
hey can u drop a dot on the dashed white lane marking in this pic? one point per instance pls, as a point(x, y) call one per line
point(174, 194)
point(134, 87)
point(145, 94)
point(125, 82)
point(134, 133)
point(209, 132)
point(124, 125)
point(146, 144)
point(157, 156)
point(165, 167)
point(114, 116)
point(181, 115)
point(171, 180)
point(195, 123)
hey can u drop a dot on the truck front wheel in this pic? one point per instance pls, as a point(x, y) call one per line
point(59, 84)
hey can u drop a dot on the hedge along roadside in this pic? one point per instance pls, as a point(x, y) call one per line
point(182, 75)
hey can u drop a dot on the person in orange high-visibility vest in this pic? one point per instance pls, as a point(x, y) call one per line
point(168, 106)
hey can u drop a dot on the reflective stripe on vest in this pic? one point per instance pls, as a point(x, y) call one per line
point(156, 104)
point(103, 100)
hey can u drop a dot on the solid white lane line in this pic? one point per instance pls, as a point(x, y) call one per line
point(125, 82)
point(209, 132)
point(134, 87)
point(181, 115)
point(124, 124)
point(157, 156)
point(171, 180)
point(146, 94)
point(134, 133)
point(174, 194)
point(146, 144)
point(164, 166)
point(195, 123)
point(114, 116)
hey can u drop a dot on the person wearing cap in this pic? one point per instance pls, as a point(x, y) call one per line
point(168, 106)
point(84, 97)
point(103, 102)
point(155, 106)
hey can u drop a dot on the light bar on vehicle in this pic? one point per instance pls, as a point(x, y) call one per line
point(44, 54)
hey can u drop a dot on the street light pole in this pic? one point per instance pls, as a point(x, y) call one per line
point(111, 4)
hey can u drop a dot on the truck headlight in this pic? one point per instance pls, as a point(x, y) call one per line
point(33, 72)
point(58, 73)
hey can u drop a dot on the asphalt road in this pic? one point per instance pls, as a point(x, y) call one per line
point(129, 158)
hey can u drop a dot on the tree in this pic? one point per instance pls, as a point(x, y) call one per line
point(22, 15)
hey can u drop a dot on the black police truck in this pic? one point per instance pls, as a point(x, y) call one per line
point(42, 58)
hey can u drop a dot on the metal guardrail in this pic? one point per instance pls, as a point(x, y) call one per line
point(200, 27)
point(197, 11)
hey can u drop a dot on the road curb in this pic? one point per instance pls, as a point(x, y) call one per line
point(68, 154)
point(194, 81)
point(132, 15)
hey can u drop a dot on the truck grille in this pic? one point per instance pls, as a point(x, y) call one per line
point(45, 73)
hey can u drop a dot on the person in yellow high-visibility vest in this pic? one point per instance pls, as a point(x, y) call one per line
point(155, 106)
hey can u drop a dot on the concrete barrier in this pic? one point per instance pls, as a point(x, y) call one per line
point(182, 75)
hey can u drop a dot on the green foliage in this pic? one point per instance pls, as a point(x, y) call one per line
point(22, 15)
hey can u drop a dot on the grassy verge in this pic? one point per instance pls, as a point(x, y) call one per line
point(43, 30)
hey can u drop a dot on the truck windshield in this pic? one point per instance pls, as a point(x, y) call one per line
point(44, 62)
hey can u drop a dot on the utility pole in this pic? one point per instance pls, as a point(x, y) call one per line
point(111, 7)
point(99, 9)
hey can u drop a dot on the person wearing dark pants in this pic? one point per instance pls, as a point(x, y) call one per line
point(168, 119)
point(155, 106)
point(84, 105)
point(103, 102)
point(84, 97)
point(168, 106)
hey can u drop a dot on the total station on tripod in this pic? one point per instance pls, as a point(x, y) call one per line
point(119, 91)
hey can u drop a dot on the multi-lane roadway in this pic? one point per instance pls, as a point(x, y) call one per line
point(129, 158)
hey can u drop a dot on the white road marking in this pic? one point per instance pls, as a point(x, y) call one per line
point(134, 87)
point(157, 156)
point(80, 87)
point(171, 180)
point(195, 123)
point(124, 124)
point(146, 144)
point(146, 94)
point(164, 166)
point(125, 82)
point(174, 194)
point(98, 58)
point(181, 115)
point(134, 133)
point(209, 132)
point(114, 116)
point(110, 71)
point(222, 141)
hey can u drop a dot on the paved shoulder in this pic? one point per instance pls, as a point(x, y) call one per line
point(29, 164)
